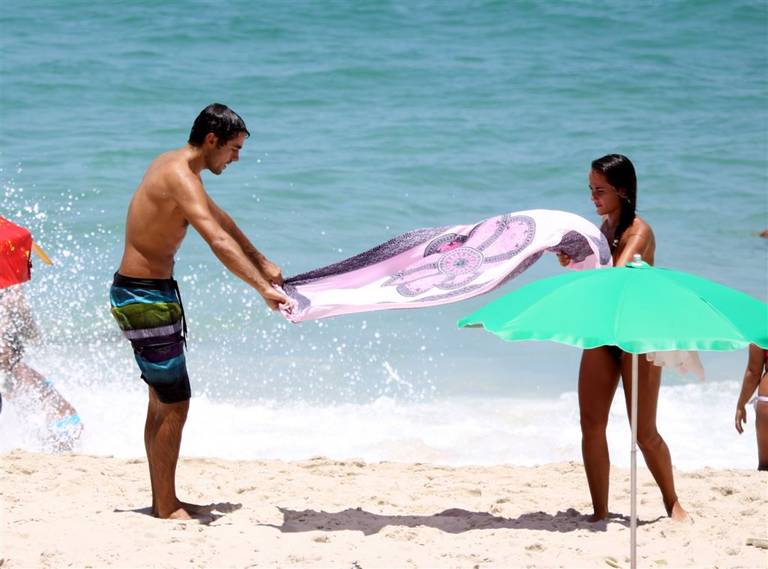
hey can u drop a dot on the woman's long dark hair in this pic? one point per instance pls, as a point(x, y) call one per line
point(620, 173)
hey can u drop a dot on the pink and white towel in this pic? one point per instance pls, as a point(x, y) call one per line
point(438, 265)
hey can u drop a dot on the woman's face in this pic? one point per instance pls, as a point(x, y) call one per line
point(606, 198)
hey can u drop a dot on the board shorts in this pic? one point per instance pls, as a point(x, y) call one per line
point(616, 352)
point(151, 316)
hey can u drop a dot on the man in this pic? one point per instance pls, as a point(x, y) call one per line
point(145, 297)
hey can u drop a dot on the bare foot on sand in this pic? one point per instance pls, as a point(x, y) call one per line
point(180, 514)
point(678, 514)
point(597, 517)
point(186, 512)
point(197, 508)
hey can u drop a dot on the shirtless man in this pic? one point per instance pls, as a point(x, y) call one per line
point(145, 298)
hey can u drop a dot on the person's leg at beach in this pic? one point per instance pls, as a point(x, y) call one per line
point(165, 423)
point(652, 445)
point(162, 438)
point(598, 379)
point(761, 425)
point(63, 421)
point(154, 325)
point(28, 380)
point(149, 429)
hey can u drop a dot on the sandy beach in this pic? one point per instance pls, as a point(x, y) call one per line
point(87, 511)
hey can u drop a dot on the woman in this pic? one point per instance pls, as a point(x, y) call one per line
point(756, 377)
point(17, 327)
point(613, 185)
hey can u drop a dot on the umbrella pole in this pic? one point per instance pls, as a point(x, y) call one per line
point(633, 467)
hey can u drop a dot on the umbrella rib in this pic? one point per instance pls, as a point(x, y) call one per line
point(617, 317)
point(530, 306)
point(577, 342)
point(723, 317)
point(688, 292)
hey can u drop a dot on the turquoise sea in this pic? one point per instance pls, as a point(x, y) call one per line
point(368, 119)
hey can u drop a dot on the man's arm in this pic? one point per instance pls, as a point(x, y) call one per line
point(270, 271)
point(191, 198)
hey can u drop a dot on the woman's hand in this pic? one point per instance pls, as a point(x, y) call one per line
point(741, 417)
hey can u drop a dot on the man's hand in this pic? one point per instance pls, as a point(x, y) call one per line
point(564, 259)
point(741, 417)
point(273, 298)
point(272, 272)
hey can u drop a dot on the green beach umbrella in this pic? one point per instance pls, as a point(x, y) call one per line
point(638, 308)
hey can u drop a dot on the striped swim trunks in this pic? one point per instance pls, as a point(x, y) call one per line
point(151, 316)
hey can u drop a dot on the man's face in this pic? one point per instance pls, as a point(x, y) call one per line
point(222, 155)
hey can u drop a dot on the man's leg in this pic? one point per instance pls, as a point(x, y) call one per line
point(148, 323)
point(163, 440)
point(149, 428)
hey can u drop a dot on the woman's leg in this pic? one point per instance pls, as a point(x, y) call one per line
point(598, 378)
point(27, 380)
point(761, 425)
point(653, 447)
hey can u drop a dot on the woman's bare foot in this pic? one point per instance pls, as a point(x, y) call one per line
point(678, 514)
point(597, 517)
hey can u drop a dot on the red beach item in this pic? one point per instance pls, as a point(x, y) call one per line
point(15, 249)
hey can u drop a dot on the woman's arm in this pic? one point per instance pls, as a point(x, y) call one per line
point(749, 384)
point(638, 239)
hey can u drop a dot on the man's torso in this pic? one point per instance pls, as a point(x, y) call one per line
point(155, 225)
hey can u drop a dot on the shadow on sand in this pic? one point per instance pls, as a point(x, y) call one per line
point(451, 521)
point(206, 514)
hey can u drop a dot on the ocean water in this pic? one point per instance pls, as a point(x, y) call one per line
point(368, 119)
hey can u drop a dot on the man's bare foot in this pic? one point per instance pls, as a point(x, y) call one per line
point(180, 514)
point(184, 512)
point(678, 514)
point(197, 508)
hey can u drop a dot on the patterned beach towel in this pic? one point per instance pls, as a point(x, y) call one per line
point(438, 265)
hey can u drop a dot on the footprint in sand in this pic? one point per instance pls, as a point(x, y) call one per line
point(534, 547)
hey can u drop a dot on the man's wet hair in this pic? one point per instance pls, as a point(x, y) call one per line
point(220, 120)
